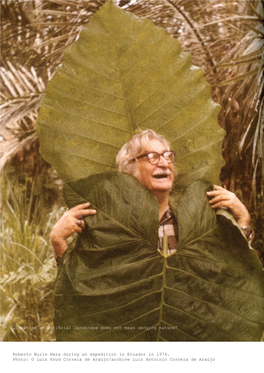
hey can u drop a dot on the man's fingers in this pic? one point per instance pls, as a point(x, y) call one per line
point(217, 187)
point(81, 210)
point(79, 223)
point(80, 207)
point(223, 198)
point(219, 198)
point(219, 204)
point(81, 213)
point(213, 193)
point(79, 229)
point(72, 220)
point(219, 193)
point(88, 212)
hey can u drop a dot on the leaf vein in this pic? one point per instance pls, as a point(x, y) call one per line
point(214, 283)
point(155, 67)
point(214, 305)
point(86, 118)
point(196, 318)
point(165, 103)
point(200, 149)
point(97, 107)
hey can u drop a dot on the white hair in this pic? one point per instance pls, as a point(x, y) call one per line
point(134, 148)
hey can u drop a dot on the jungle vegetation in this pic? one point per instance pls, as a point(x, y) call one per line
point(225, 39)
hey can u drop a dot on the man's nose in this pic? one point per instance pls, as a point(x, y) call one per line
point(162, 162)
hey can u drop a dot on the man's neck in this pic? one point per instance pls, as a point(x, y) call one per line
point(163, 200)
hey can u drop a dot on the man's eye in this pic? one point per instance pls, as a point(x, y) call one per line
point(152, 155)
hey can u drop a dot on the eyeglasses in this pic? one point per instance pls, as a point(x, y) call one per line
point(154, 157)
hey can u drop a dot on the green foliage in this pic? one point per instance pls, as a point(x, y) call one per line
point(125, 74)
point(27, 266)
point(115, 286)
point(225, 38)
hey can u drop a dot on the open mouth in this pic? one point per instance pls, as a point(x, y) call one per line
point(160, 176)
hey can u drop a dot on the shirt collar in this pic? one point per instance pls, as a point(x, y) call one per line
point(167, 215)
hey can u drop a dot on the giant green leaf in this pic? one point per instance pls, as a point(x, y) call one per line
point(125, 74)
point(113, 284)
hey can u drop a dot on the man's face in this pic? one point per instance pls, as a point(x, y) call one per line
point(156, 178)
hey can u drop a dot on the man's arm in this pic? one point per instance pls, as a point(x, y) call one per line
point(225, 198)
point(70, 222)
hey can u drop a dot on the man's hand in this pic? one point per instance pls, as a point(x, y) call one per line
point(225, 198)
point(70, 222)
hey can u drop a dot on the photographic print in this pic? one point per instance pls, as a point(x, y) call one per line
point(131, 173)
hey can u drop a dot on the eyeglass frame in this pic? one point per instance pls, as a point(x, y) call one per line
point(159, 154)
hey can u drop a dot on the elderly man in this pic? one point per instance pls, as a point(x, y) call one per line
point(147, 156)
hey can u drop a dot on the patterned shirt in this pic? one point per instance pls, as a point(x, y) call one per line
point(168, 233)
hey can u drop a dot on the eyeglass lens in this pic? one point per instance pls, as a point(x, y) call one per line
point(154, 157)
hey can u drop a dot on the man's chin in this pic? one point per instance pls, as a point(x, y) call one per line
point(162, 184)
point(162, 188)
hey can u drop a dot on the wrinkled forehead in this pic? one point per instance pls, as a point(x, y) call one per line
point(154, 146)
